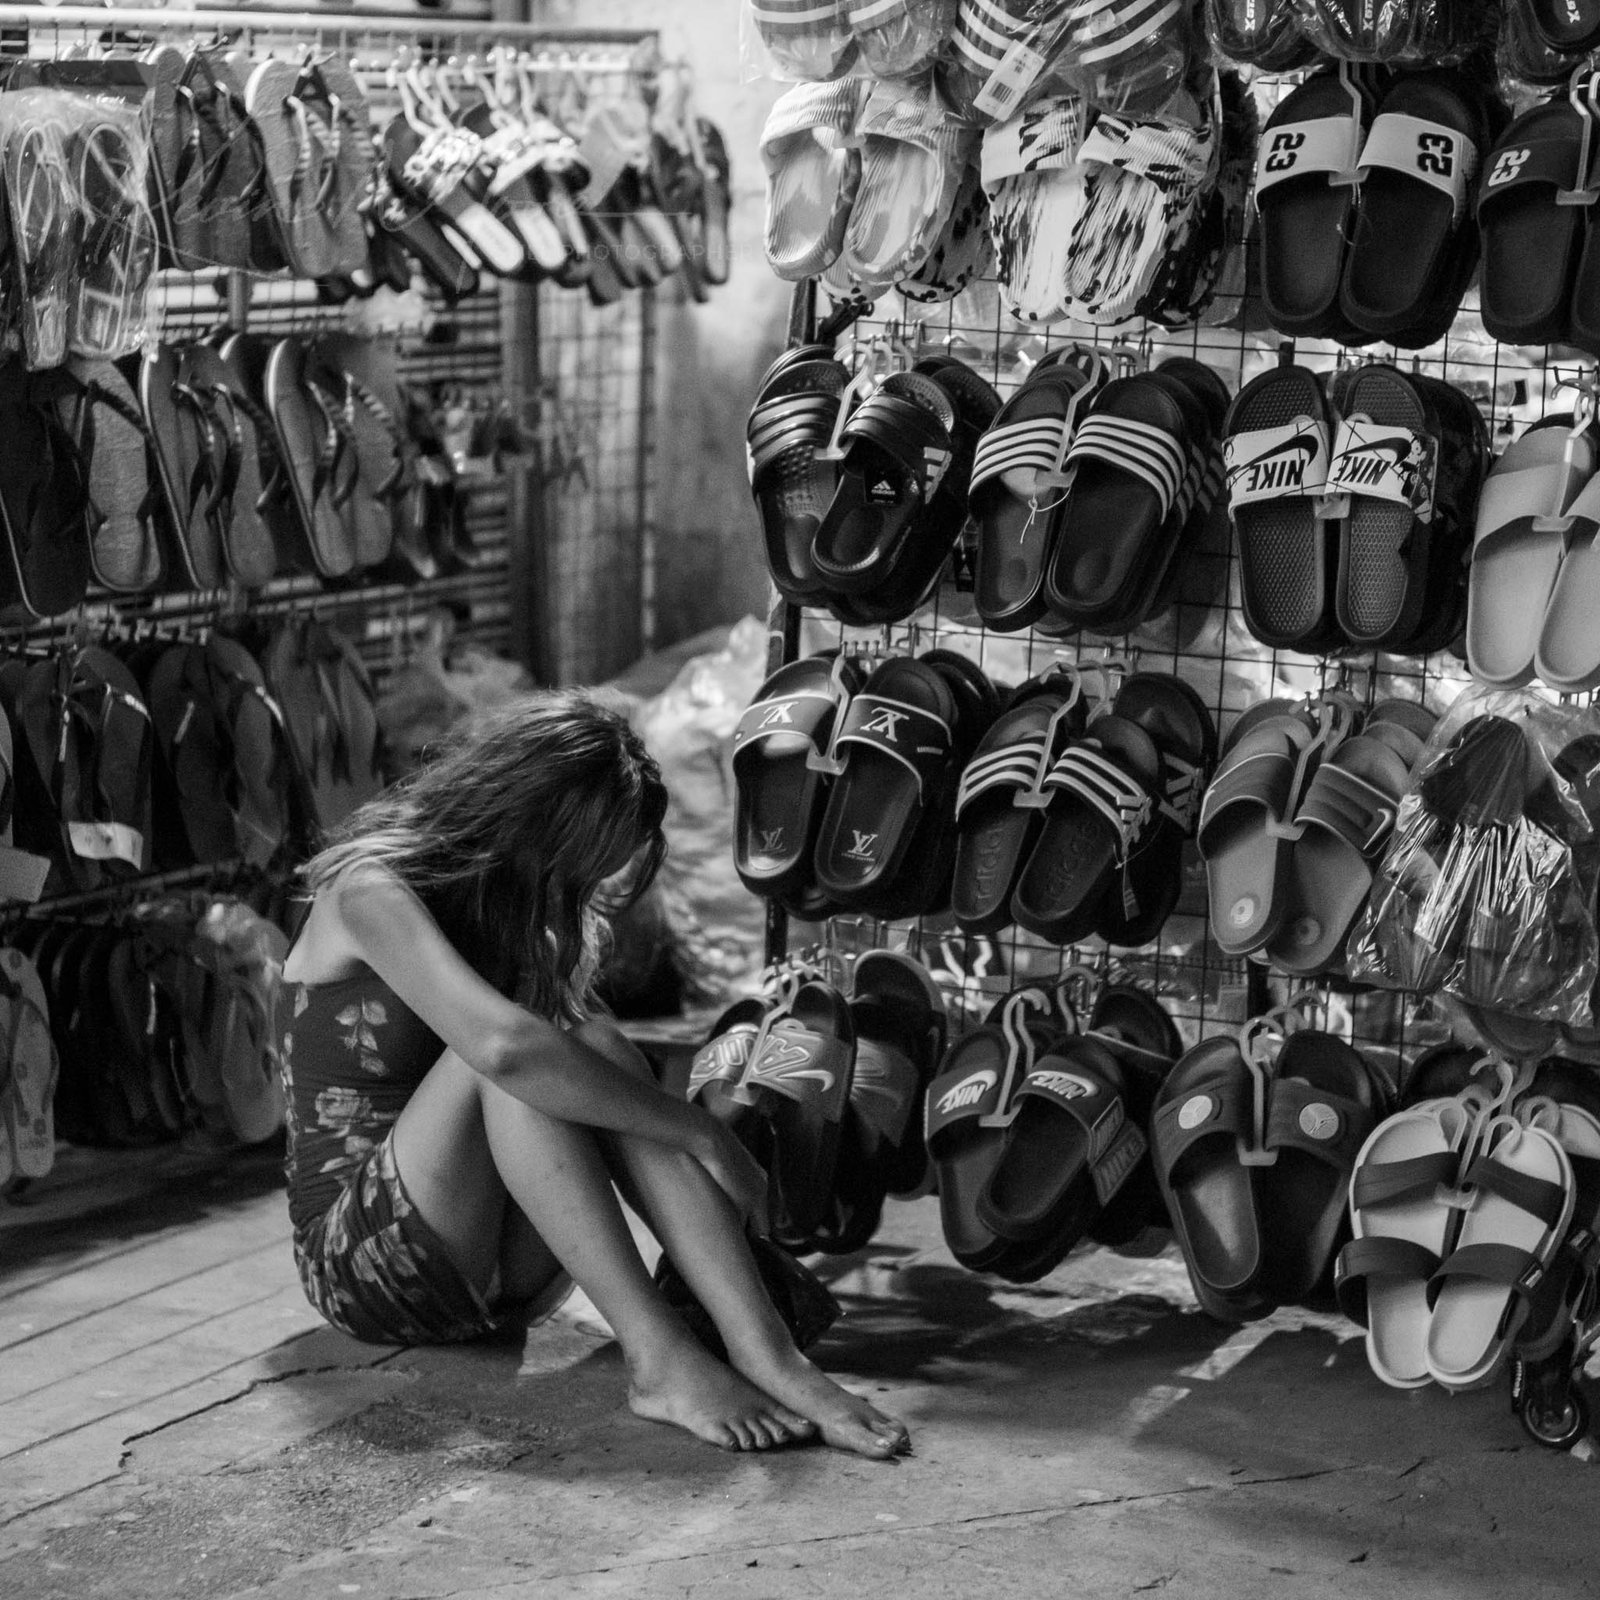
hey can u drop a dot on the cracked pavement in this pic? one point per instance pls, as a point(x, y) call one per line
point(1092, 1435)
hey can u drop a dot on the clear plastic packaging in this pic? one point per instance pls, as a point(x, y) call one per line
point(81, 239)
point(898, 38)
point(805, 40)
point(1486, 891)
point(1433, 33)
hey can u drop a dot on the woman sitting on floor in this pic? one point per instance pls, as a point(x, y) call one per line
point(455, 1154)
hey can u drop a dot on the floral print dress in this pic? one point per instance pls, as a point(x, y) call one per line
point(352, 1053)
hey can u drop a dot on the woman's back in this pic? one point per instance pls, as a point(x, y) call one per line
point(352, 1053)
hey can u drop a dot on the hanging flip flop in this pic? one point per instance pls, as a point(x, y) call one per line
point(799, 1081)
point(969, 1109)
point(1147, 888)
point(1402, 1233)
point(1386, 460)
point(791, 423)
point(1068, 1151)
point(1141, 1037)
point(1340, 830)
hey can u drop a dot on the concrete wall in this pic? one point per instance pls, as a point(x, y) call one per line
point(709, 357)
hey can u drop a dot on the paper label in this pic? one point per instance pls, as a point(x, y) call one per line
point(106, 841)
point(1385, 463)
point(1018, 71)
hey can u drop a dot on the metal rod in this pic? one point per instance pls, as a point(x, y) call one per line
point(350, 22)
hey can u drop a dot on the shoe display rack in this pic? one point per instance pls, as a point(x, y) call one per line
point(556, 545)
point(1202, 640)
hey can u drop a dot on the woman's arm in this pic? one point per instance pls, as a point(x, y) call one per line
point(385, 925)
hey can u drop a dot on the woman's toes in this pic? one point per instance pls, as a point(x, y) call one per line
point(796, 1426)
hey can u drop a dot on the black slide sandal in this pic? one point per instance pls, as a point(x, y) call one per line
point(1201, 1114)
point(895, 743)
point(997, 824)
point(1129, 462)
point(1531, 238)
point(1068, 1151)
point(1279, 437)
point(1415, 241)
point(1386, 461)
point(780, 787)
point(1305, 198)
point(1321, 1106)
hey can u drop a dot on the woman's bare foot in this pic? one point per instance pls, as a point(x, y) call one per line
point(682, 1384)
point(846, 1420)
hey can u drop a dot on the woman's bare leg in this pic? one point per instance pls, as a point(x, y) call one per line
point(698, 1228)
point(461, 1145)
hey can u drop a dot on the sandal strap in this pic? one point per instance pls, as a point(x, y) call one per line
point(1537, 1196)
point(1378, 1256)
point(1349, 807)
point(1385, 462)
point(1262, 778)
point(723, 1059)
point(1298, 149)
point(1505, 1264)
point(1524, 163)
point(1015, 765)
point(1276, 463)
point(1148, 453)
point(803, 1065)
point(966, 1094)
point(1088, 774)
point(1381, 1183)
point(918, 739)
point(1218, 1106)
point(1301, 1116)
point(803, 714)
point(1427, 152)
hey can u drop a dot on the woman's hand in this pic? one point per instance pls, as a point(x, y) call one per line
point(737, 1173)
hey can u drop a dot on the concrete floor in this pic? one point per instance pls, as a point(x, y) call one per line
point(173, 1425)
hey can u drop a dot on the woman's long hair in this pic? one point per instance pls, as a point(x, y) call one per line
point(506, 835)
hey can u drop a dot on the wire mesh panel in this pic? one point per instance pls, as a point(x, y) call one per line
point(1202, 639)
point(594, 485)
